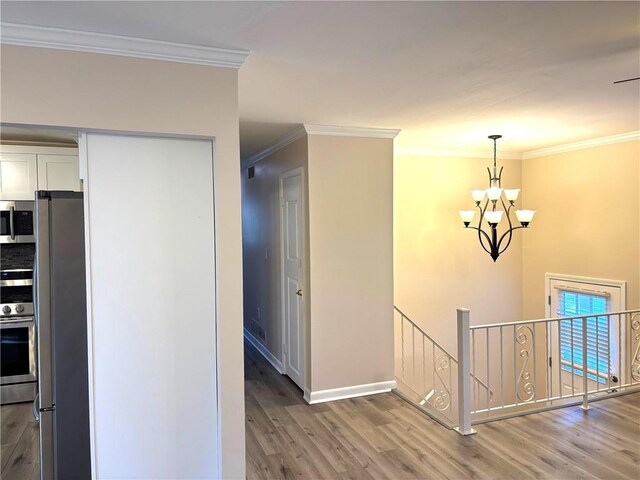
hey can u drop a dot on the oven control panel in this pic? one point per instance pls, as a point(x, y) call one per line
point(13, 309)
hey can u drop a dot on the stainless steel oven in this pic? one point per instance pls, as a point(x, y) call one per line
point(17, 352)
point(16, 222)
point(17, 337)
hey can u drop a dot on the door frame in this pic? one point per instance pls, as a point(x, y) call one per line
point(83, 165)
point(299, 171)
point(591, 281)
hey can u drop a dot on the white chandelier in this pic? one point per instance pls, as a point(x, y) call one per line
point(494, 209)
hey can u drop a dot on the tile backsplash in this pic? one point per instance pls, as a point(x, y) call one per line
point(15, 256)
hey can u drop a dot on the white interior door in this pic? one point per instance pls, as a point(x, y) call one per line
point(292, 228)
point(569, 298)
point(152, 329)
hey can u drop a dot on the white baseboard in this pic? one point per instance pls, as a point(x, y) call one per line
point(330, 395)
point(270, 357)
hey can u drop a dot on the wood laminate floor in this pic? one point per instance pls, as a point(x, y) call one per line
point(381, 436)
point(20, 445)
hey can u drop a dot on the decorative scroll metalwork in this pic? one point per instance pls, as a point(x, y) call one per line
point(426, 372)
point(442, 395)
point(526, 389)
point(635, 346)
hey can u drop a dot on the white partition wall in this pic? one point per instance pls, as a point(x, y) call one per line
point(150, 237)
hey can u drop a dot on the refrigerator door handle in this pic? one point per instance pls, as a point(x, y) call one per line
point(42, 304)
point(34, 409)
point(34, 289)
point(12, 231)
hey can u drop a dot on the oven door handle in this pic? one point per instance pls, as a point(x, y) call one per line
point(12, 231)
point(16, 321)
point(25, 282)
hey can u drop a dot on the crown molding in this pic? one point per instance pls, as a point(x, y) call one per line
point(43, 148)
point(339, 131)
point(90, 42)
point(484, 154)
point(282, 142)
point(570, 147)
point(308, 129)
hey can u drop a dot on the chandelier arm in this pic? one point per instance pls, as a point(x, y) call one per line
point(481, 239)
point(482, 232)
point(482, 211)
point(510, 230)
point(508, 211)
point(509, 241)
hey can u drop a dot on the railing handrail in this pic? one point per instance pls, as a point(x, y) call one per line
point(444, 350)
point(549, 320)
point(425, 334)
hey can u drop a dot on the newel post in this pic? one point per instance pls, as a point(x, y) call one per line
point(464, 374)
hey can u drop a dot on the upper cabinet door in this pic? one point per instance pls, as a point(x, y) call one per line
point(18, 177)
point(58, 172)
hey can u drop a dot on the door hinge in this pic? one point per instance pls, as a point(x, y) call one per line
point(549, 300)
point(284, 348)
point(550, 362)
point(281, 201)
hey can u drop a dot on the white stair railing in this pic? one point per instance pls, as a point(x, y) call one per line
point(427, 373)
point(537, 365)
point(516, 368)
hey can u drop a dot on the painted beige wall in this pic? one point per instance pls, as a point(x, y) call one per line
point(261, 243)
point(351, 260)
point(588, 220)
point(440, 266)
point(82, 90)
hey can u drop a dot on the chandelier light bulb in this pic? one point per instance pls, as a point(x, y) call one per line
point(493, 217)
point(511, 194)
point(467, 216)
point(525, 216)
point(494, 193)
point(477, 195)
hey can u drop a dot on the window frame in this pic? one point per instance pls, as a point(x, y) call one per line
point(594, 285)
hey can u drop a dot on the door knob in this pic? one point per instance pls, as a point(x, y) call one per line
point(299, 293)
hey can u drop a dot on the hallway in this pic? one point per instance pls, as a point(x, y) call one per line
point(381, 436)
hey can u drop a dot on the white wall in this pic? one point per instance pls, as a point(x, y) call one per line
point(351, 261)
point(587, 223)
point(152, 308)
point(439, 266)
point(83, 90)
point(348, 286)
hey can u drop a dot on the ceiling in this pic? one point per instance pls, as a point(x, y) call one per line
point(447, 73)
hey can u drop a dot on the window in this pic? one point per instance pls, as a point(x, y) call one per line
point(570, 296)
point(598, 347)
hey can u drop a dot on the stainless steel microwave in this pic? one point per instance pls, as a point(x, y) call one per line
point(16, 219)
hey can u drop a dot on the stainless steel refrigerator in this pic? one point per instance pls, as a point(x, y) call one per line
point(61, 332)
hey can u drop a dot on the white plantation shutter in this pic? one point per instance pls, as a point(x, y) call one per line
point(572, 302)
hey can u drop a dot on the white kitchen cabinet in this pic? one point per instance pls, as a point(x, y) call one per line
point(25, 169)
point(58, 172)
point(18, 176)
